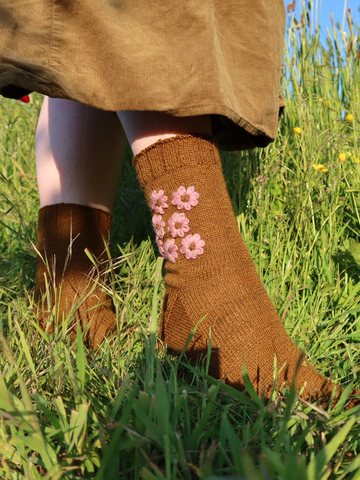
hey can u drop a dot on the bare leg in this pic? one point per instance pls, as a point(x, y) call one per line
point(145, 128)
point(79, 153)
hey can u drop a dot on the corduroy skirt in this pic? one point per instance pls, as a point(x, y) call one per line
point(184, 58)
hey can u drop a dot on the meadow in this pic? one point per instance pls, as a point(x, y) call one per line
point(133, 410)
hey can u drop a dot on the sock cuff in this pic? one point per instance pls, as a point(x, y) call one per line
point(71, 215)
point(62, 223)
point(175, 153)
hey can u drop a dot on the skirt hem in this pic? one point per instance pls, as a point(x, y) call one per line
point(13, 85)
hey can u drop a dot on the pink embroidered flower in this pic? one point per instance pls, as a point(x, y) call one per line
point(178, 225)
point(158, 225)
point(160, 245)
point(158, 201)
point(170, 250)
point(185, 198)
point(192, 246)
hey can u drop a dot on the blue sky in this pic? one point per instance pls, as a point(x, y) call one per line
point(334, 6)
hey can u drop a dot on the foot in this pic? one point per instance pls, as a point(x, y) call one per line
point(210, 274)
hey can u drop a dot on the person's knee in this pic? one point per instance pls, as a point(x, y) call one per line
point(145, 128)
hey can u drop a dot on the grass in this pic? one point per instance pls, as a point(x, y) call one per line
point(134, 411)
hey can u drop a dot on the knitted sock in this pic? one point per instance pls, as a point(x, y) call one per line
point(210, 272)
point(75, 284)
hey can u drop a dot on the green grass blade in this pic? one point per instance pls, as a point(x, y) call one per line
point(318, 463)
point(80, 358)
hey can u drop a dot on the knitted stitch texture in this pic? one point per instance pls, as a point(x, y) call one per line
point(65, 232)
point(210, 274)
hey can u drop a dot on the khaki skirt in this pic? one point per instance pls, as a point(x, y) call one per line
point(189, 57)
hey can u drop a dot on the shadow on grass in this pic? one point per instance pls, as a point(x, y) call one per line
point(345, 262)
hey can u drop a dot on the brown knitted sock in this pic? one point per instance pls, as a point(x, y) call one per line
point(64, 232)
point(210, 272)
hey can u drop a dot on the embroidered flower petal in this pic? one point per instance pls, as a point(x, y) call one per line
point(178, 225)
point(158, 225)
point(185, 198)
point(170, 250)
point(192, 246)
point(158, 201)
point(160, 245)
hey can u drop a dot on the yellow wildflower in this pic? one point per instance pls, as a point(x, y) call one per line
point(320, 168)
point(342, 157)
point(349, 117)
point(297, 130)
point(357, 160)
point(321, 100)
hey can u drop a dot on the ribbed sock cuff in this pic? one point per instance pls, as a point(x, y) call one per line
point(173, 153)
point(80, 226)
point(79, 216)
